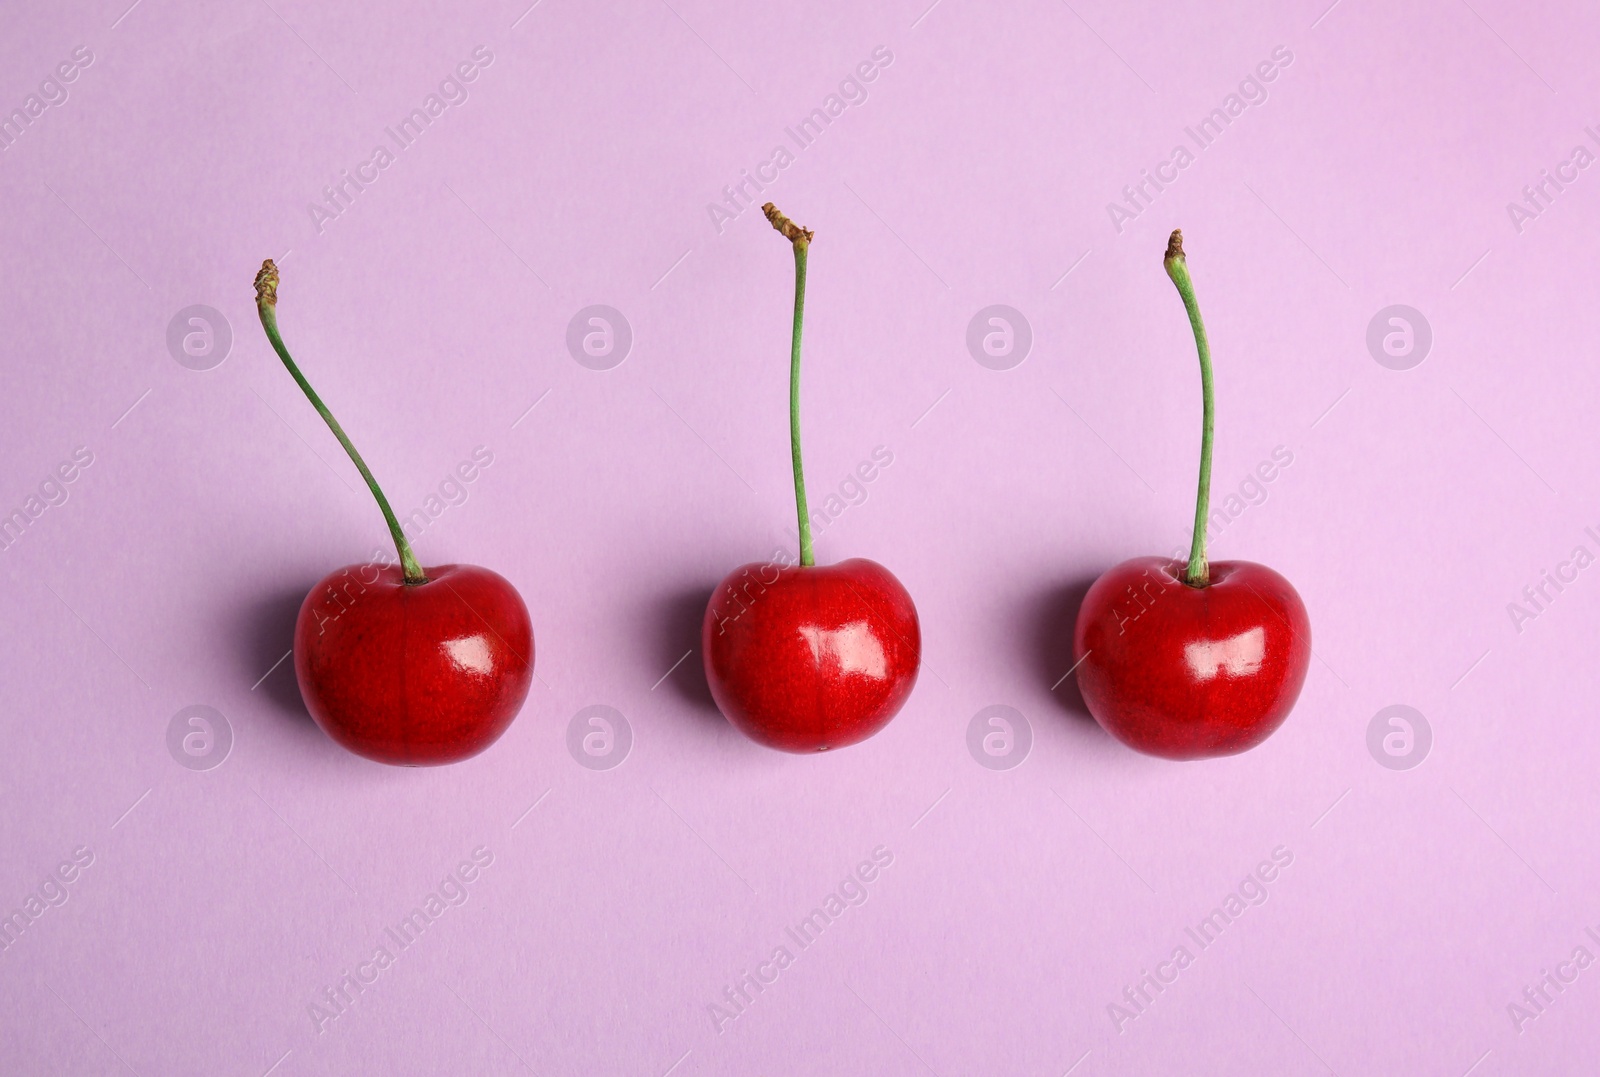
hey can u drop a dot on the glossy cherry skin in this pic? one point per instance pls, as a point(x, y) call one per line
point(414, 675)
point(1191, 672)
point(805, 659)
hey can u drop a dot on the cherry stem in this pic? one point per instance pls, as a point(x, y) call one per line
point(801, 239)
point(267, 306)
point(1177, 266)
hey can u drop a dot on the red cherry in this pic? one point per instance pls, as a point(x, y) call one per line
point(1187, 660)
point(395, 663)
point(414, 674)
point(1189, 672)
point(807, 659)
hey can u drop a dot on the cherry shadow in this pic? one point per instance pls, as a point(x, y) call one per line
point(267, 635)
point(678, 616)
point(1050, 619)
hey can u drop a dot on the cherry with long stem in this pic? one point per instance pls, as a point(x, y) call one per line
point(392, 668)
point(1211, 668)
point(801, 239)
point(267, 307)
point(1177, 267)
point(807, 657)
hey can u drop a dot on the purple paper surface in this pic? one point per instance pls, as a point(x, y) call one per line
point(533, 234)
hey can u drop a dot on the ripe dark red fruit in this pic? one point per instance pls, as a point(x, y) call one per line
point(806, 657)
point(1189, 672)
point(810, 658)
point(1191, 660)
point(396, 663)
point(414, 674)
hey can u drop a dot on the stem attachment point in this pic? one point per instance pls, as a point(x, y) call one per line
point(787, 228)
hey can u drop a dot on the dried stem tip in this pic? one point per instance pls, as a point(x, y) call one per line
point(791, 231)
point(267, 284)
point(1174, 246)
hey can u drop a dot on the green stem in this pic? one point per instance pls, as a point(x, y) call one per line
point(267, 306)
point(801, 239)
point(1177, 266)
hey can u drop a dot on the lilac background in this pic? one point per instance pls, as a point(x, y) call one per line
point(432, 314)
